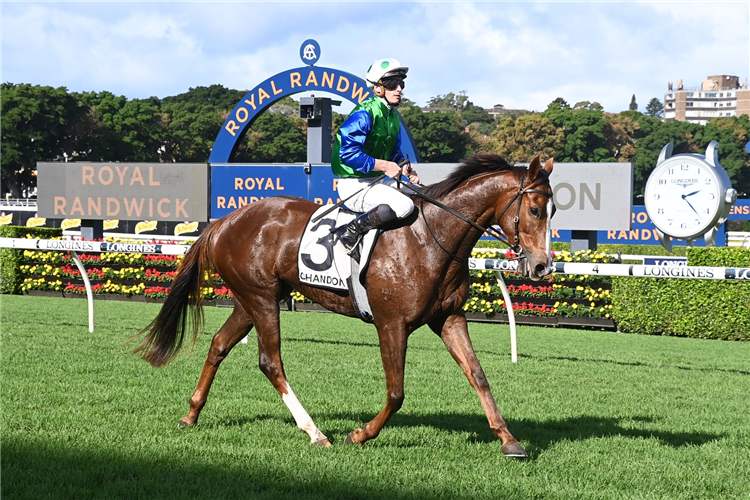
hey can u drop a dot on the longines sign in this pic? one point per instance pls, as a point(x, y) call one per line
point(126, 191)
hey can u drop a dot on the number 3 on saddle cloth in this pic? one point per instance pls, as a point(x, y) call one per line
point(325, 264)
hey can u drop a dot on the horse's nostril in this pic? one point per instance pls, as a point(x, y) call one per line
point(540, 269)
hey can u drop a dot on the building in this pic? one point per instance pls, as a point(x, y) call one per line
point(718, 96)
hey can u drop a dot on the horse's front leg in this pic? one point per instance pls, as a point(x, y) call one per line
point(455, 335)
point(393, 354)
point(236, 327)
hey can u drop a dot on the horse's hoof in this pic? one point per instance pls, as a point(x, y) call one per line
point(514, 450)
point(322, 442)
point(350, 439)
point(184, 422)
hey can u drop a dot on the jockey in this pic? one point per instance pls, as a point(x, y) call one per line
point(368, 144)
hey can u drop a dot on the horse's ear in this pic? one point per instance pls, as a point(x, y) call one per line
point(534, 168)
point(548, 166)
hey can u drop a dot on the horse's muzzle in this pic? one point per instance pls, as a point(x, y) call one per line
point(535, 272)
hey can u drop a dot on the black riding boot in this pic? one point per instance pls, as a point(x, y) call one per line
point(350, 234)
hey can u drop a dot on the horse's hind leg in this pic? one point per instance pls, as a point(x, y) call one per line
point(236, 327)
point(266, 315)
point(455, 335)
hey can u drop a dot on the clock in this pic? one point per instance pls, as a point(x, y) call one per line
point(688, 196)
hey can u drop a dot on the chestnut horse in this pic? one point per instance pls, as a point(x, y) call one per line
point(418, 275)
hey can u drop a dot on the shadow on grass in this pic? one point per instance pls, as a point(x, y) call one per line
point(52, 472)
point(34, 469)
point(540, 435)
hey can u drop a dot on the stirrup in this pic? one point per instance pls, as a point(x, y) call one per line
point(353, 250)
point(340, 234)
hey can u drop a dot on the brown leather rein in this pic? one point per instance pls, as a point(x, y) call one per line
point(491, 231)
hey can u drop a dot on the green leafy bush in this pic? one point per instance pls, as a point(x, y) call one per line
point(719, 257)
point(689, 308)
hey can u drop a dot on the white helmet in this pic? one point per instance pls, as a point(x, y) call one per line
point(384, 68)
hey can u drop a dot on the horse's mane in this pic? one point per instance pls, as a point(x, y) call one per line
point(473, 165)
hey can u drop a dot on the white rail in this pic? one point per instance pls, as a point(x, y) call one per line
point(580, 268)
point(634, 270)
point(74, 246)
point(92, 246)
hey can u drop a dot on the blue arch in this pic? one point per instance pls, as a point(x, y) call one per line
point(286, 83)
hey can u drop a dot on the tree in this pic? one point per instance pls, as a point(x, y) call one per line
point(655, 108)
point(449, 101)
point(529, 135)
point(583, 127)
point(589, 106)
point(217, 96)
point(123, 130)
point(621, 133)
point(36, 126)
point(732, 133)
point(473, 114)
point(274, 137)
point(558, 112)
point(438, 135)
point(633, 105)
point(191, 129)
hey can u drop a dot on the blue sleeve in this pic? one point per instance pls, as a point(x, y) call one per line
point(354, 133)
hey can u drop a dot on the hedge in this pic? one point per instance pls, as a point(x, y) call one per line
point(687, 308)
point(10, 259)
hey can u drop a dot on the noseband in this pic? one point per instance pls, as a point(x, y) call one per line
point(515, 246)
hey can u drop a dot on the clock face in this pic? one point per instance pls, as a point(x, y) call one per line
point(682, 197)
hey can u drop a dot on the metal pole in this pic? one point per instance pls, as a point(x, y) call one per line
point(89, 291)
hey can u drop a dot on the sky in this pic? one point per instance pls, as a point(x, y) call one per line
point(522, 55)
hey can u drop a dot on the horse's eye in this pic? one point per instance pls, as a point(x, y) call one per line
point(535, 211)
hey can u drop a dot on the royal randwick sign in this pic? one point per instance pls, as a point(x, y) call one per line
point(126, 191)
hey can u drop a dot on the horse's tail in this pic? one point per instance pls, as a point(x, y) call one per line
point(163, 337)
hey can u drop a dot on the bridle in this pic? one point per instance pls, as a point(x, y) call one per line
point(491, 231)
point(516, 247)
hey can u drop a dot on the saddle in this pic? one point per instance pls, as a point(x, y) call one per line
point(323, 263)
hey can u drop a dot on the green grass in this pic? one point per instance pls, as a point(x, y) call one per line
point(603, 415)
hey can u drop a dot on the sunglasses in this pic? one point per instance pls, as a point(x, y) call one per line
point(392, 84)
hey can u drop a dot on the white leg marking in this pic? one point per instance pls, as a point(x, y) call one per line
point(303, 420)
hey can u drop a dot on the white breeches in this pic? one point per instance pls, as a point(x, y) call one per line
point(383, 192)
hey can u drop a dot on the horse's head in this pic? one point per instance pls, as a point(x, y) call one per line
point(526, 219)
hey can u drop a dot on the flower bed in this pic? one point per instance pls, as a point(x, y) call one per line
point(558, 296)
point(150, 276)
